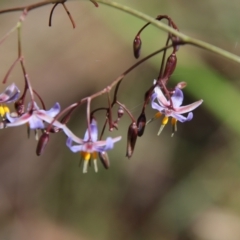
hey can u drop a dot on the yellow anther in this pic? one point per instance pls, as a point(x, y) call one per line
point(86, 156)
point(2, 112)
point(165, 120)
point(94, 155)
point(158, 115)
point(174, 121)
point(6, 109)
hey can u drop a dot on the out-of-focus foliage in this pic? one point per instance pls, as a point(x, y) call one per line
point(184, 187)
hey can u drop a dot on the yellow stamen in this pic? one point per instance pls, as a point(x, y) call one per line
point(2, 112)
point(174, 126)
point(86, 157)
point(94, 155)
point(158, 115)
point(165, 120)
point(85, 166)
point(6, 109)
point(160, 129)
point(95, 165)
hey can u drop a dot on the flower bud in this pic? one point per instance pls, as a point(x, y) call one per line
point(141, 123)
point(42, 143)
point(103, 156)
point(120, 112)
point(132, 137)
point(170, 65)
point(137, 43)
point(181, 85)
point(19, 106)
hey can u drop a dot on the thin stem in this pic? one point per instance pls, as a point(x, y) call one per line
point(163, 59)
point(166, 28)
point(51, 14)
point(69, 15)
point(7, 34)
point(40, 99)
point(118, 80)
point(88, 117)
point(10, 70)
point(145, 17)
point(27, 81)
point(109, 113)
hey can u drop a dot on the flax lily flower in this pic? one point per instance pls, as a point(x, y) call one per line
point(89, 146)
point(172, 108)
point(34, 117)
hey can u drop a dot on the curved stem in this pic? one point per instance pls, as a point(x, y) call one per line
point(164, 27)
point(145, 17)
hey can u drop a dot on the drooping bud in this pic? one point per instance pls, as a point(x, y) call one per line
point(42, 143)
point(170, 65)
point(19, 106)
point(103, 156)
point(132, 138)
point(181, 85)
point(120, 112)
point(137, 43)
point(141, 123)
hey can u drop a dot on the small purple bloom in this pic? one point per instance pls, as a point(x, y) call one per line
point(172, 108)
point(34, 117)
point(89, 146)
point(10, 94)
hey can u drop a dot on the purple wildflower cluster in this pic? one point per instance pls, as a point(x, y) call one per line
point(167, 102)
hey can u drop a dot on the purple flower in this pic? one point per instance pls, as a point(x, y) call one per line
point(34, 117)
point(10, 94)
point(172, 108)
point(89, 146)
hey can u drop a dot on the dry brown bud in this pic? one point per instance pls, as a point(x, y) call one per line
point(170, 65)
point(132, 138)
point(120, 112)
point(103, 156)
point(42, 143)
point(137, 43)
point(141, 123)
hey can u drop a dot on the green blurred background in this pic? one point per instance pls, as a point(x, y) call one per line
point(181, 188)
